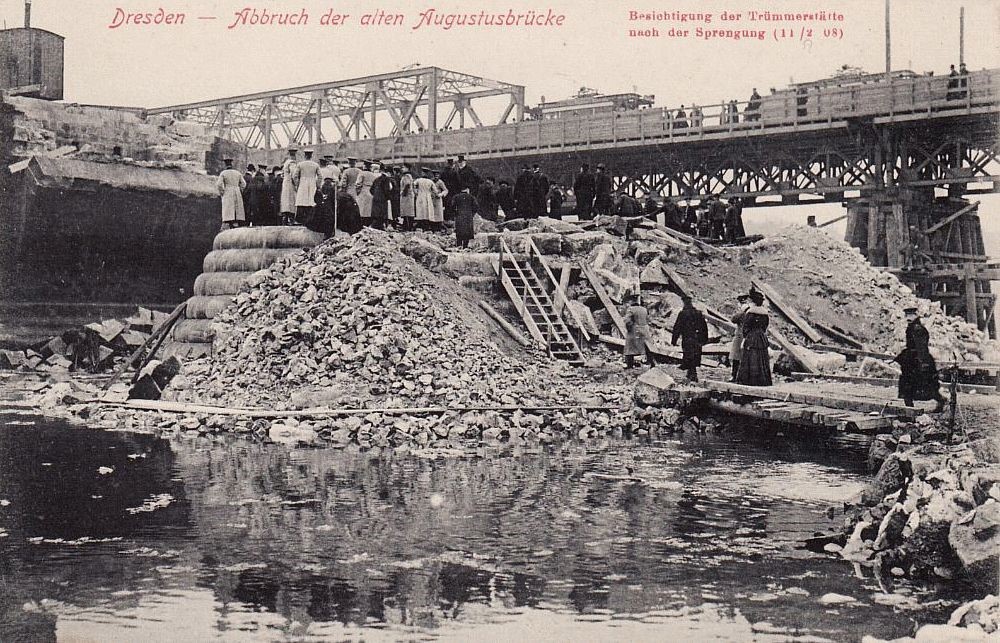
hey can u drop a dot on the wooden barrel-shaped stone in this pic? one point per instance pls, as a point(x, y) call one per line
point(199, 307)
point(195, 331)
point(210, 284)
point(245, 260)
point(266, 237)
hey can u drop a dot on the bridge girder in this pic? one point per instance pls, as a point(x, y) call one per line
point(349, 109)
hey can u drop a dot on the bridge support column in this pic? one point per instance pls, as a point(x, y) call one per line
point(934, 245)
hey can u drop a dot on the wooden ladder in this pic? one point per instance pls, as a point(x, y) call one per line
point(536, 306)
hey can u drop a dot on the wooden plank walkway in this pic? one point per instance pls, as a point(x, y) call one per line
point(800, 393)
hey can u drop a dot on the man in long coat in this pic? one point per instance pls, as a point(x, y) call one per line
point(381, 193)
point(274, 188)
point(602, 191)
point(259, 210)
point(585, 187)
point(522, 195)
point(918, 377)
point(440, 194)
point(637, 333)
point(690, 327)
point(539, 191)
point(306, 177)
point(395, 195)
point(365, 181)
point(288, 187)
point(350, 178)
point(465, 208)
point(486, 196)
point(407, 202)
point(505, 199)
point(424, 189)
point(453, 184)
point(231, 184)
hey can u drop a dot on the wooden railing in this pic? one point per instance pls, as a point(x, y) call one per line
point(919, 96)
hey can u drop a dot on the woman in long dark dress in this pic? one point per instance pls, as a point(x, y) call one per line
point(755, 364)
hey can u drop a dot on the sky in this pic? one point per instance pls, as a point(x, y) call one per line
point(151, 66)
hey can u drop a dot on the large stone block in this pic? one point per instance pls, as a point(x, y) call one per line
point(580, 243)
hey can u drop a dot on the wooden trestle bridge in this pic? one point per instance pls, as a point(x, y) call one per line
point(902, 151)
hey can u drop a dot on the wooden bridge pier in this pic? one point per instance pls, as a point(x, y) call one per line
point(933, 245)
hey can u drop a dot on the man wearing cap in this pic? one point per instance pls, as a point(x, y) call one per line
point(602, 191)
point(690, 327)
point(288, 187)
point(231, 185)
point(637, 333)
point(328, 169)
point(584, 187)
point(424, 189)
point(381, 193)
point(918, 377)
point(365, 181)
point(440, 194)
point(407, 206)
point(306, 177)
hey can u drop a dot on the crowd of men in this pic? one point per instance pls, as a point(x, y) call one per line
point(323, 195)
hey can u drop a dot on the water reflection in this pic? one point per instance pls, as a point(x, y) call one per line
point(203, 538)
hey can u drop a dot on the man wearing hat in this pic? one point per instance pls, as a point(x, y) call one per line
point(288, 187)
point(467, 177)
point(423, 189)
point(452, 183)
point(306, 177)
point(918, 377)
point(690, 327)
point(505, 199)
point(274, 187)
point(395, 194)
point(602, 191)
point(584, 187)
point(538, 191)
point(350, 178)
point(231, 185)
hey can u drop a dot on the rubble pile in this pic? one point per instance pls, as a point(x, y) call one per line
point(42, 127)
point(825, 279)
point(96, 347)
point(933, 511)
point(355, 323)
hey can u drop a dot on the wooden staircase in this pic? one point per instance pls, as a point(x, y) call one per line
point(540, 310)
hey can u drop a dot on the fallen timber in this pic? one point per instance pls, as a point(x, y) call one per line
point(884, 382)
point(787, 392)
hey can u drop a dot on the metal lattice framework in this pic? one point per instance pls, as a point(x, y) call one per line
point(349, 110)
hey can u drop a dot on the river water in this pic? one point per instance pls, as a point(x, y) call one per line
point(116, 536)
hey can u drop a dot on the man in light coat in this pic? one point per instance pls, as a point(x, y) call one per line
point(350, 178)
point(306, 176)
point(231, 185)
point(288, 186)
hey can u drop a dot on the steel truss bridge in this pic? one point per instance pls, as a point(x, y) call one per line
point(347, 110)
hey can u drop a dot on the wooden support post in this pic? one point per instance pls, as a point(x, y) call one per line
point(605, 298)
point(158, 333)
point(504, 324)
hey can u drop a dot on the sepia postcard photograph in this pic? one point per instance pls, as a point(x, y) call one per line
point(499, 320)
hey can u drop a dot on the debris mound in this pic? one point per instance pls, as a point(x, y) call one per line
point(355, 323)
